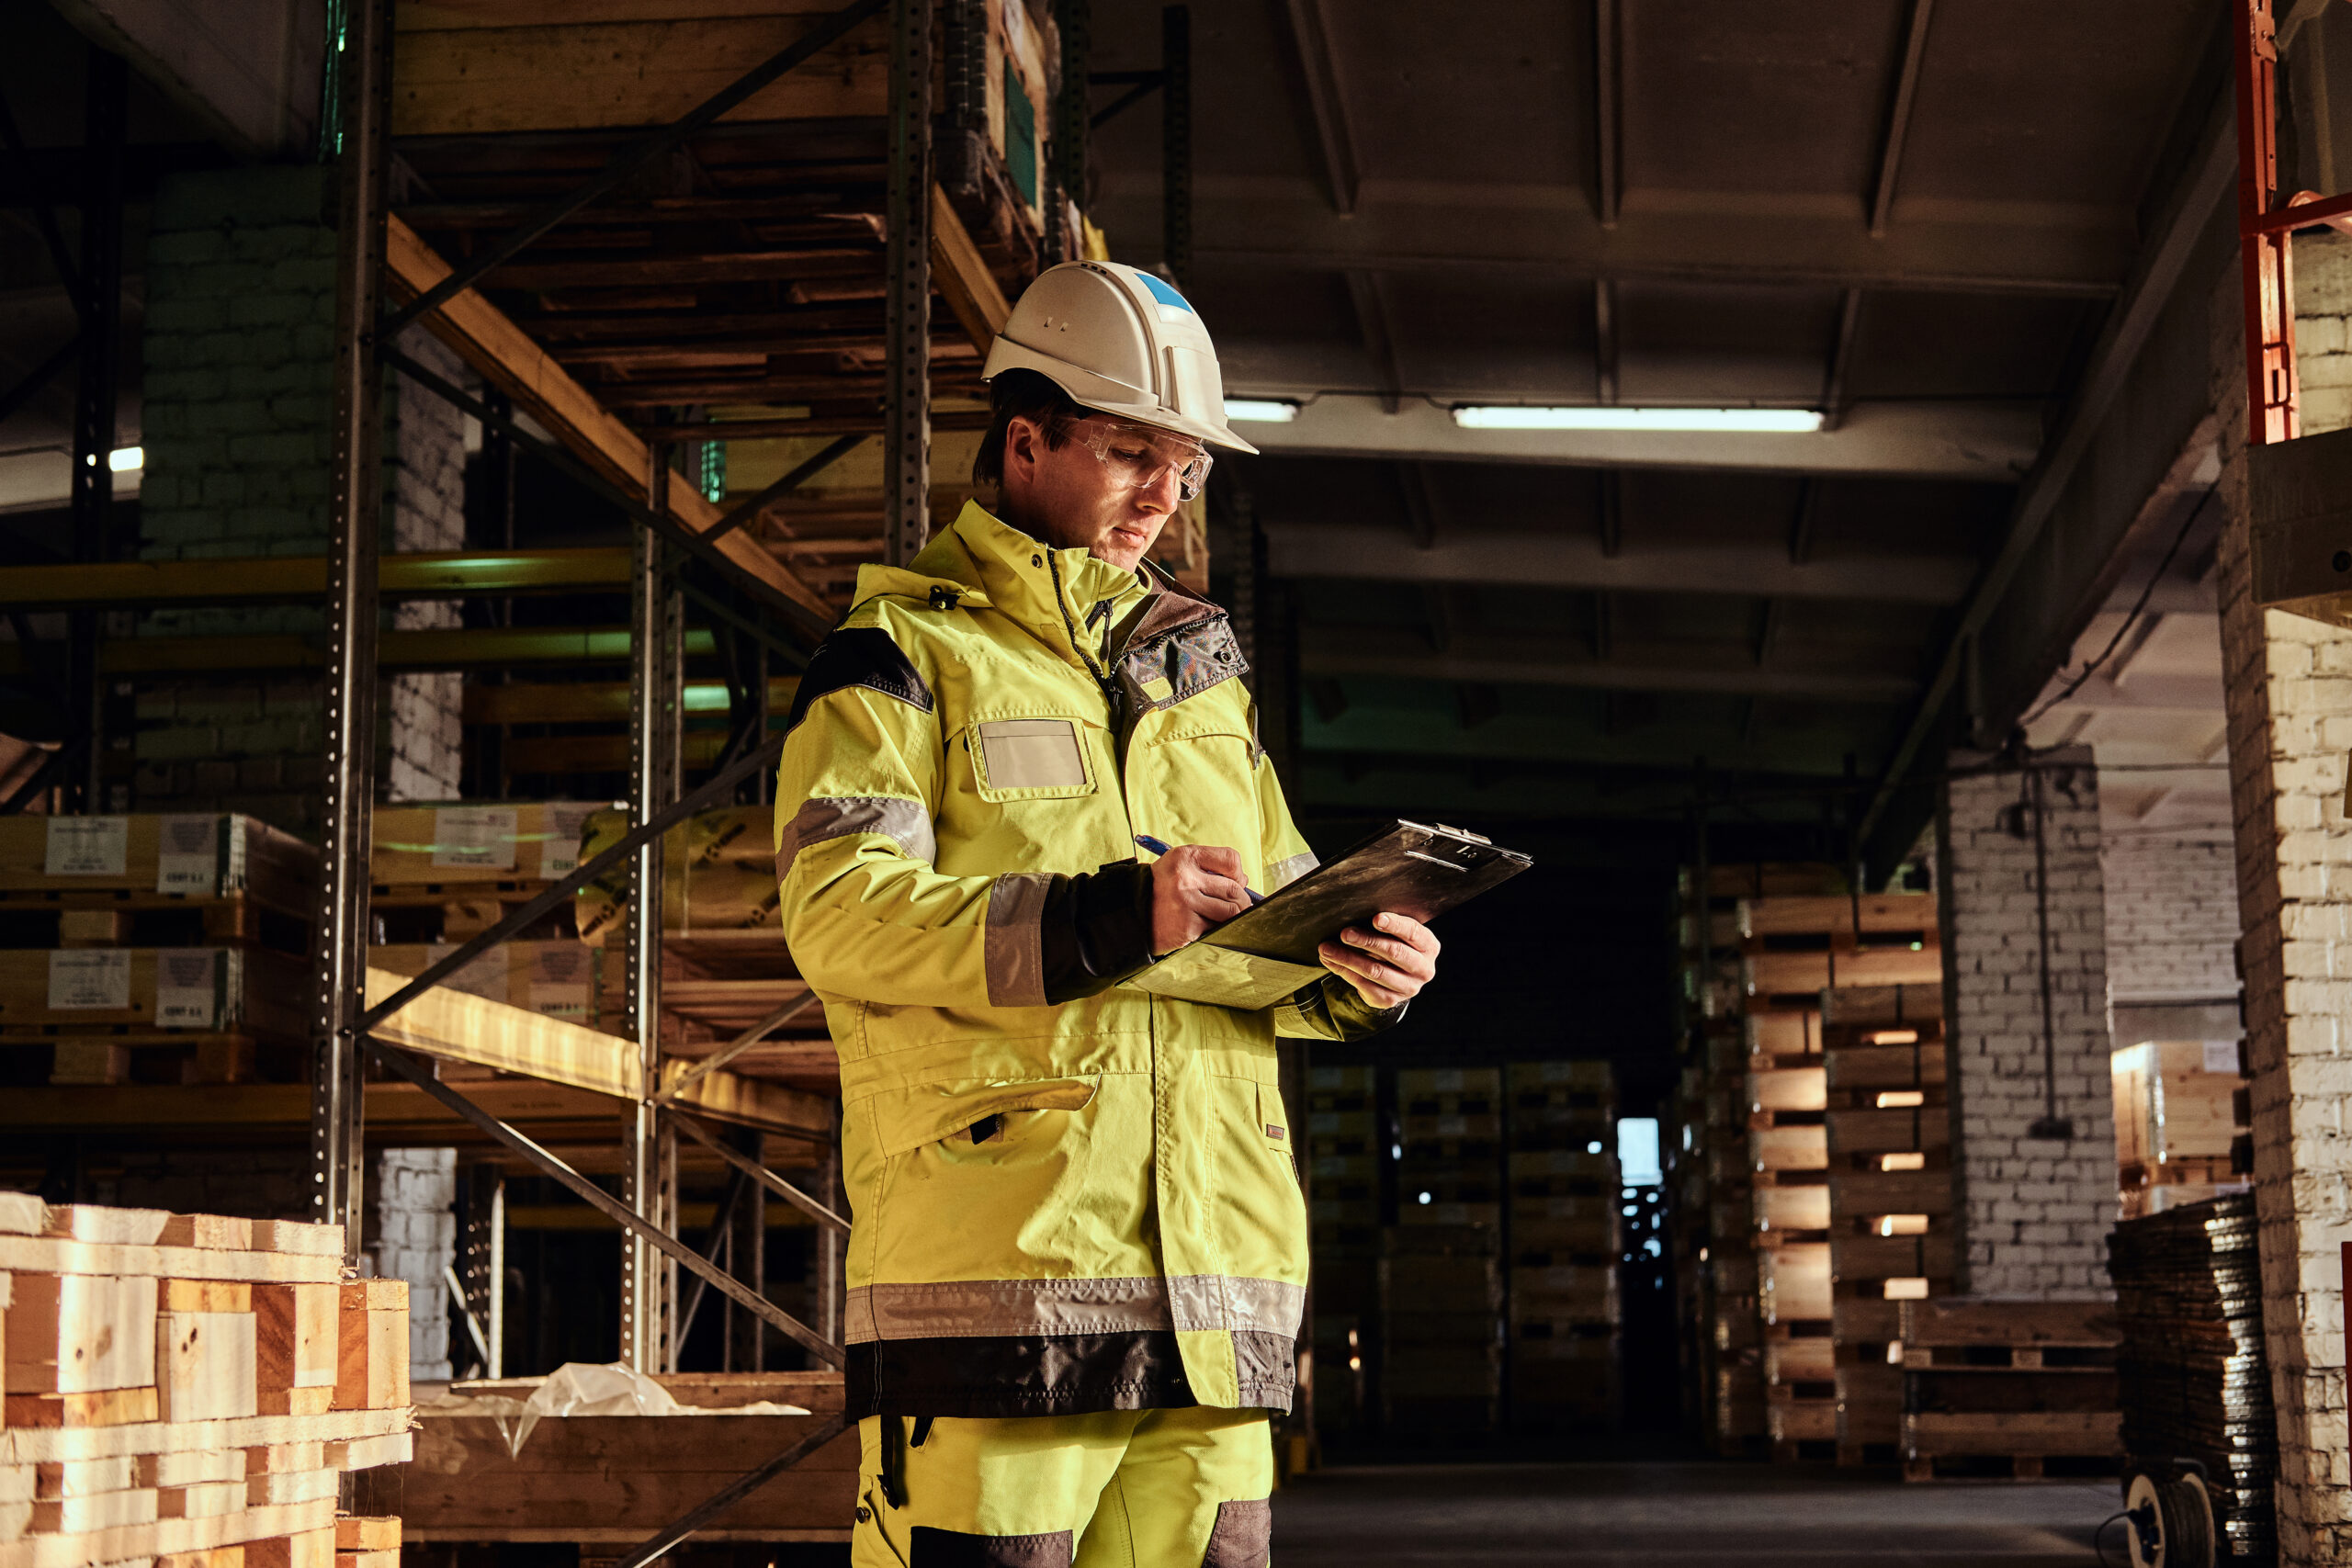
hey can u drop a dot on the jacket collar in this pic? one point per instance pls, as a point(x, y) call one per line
point(1051, 592)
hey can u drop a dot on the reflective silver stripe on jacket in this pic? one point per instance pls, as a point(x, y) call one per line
point(1282, 873)
point(994, 1309)
point(822, 817)
point(1014, 954)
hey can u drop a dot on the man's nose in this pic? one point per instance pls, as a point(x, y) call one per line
point(1164, 491)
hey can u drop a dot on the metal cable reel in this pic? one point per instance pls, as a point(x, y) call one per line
point(2169, 1522)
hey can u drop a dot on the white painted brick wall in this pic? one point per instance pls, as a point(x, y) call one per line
point(416, 1238)
point(424, 470)
point(2032, 1213)
point(2289, 686)
point(2172, 917)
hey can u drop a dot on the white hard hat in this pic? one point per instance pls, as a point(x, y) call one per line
point(1121, 341)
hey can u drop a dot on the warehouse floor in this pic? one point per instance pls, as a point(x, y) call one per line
point(1673, 1514)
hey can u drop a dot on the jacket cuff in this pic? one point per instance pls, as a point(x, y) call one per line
point(1096, 930)
point(1339, 1011)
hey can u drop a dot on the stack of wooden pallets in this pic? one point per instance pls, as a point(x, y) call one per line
point(2194, 1371)
point(153, 949)
point(1564, 1246)
point(1889, 1191)
point(2025, 1389)
point(2180, 1116)
point(1442, 1329)
point(1343, 1148)
point(191, 1389)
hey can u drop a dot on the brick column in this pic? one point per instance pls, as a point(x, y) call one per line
point(237, 421)
point(2289, 686)
point(2032, 1211)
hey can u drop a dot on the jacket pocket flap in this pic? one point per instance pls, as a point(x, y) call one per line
point(908, 1118)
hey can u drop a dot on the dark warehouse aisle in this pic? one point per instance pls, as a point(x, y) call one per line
point(1676, 1513)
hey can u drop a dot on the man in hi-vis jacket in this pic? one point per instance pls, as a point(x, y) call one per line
point(1080, 1248)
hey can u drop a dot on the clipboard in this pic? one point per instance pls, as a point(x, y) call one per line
point(1266, 953)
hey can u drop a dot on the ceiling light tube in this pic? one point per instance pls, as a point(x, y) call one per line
point(1259, 410)
point(1724, 422)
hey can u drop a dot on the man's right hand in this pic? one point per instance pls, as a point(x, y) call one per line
point(1193, 887)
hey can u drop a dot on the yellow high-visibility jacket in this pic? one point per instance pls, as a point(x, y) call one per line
point(1067, 1194)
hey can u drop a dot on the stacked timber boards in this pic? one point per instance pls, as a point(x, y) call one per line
point(191, 1389)
point(2183, 1130)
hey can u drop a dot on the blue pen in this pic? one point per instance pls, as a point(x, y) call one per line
point(1159, 848)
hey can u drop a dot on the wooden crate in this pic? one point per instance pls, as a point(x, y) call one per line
point(2016, 1387)
point(154, 991)
point(473, 843)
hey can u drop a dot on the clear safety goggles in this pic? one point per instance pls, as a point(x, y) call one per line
point(1137, 454)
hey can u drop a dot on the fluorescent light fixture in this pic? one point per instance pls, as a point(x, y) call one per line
point(1772, 422)
point(127, 459)
point(1259, 410)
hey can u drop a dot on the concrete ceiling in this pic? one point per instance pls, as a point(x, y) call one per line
point(1916, 216)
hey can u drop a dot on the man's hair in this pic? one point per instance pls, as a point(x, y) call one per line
point(1016, 394)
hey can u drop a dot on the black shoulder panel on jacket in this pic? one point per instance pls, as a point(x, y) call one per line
point(859, 656)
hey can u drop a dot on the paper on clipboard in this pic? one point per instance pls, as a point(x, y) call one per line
point(1264, 955)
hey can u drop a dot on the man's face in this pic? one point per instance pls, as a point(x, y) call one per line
point(1083, 493)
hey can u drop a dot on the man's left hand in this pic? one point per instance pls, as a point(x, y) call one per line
point(1387, 964)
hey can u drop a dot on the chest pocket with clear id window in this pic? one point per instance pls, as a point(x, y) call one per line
point(1031, 759)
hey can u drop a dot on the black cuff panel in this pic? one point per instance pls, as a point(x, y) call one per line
point(1096, 930)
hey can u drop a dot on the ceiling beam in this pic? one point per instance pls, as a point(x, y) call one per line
point(1379, 341)
point(1608, 112)
point(1304, 24)
point(1559, 559)
point(1995, 441)
point(1474, 232)
point(1898, 117)
point(2203, 188)
point(1668, 741)
point(1520, 660)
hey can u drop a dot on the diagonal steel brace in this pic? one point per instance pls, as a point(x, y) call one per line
point(612, 1207)
point(673, 1534)
point(720, 786)
point(812, 1207)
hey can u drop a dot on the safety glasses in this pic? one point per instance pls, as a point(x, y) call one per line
point(1137, 455)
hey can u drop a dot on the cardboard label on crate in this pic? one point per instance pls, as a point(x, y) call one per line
point(2222, 1056)
point(92, 979)
point(559, 854)
point(187, 855)
point(474, 836)
point(188, 987)
point(485, 976)
point(87, 846)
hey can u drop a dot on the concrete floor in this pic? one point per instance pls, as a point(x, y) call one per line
point(1680, 1513)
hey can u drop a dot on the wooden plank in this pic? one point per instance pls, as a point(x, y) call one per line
point(204, 1366)
point(483, 337)
point(354, 1532)
point(2048, 1432)
point(78, 1334)
point(496, 80)
point(1972, 1320)
point(107, 1408)
point(465, 1028)
point(51, 1255)
point(296, 1339)
point(1808, 916)
point(1879, 1131)
point(962, 276)
point(56, 1444)
point(371, 1358)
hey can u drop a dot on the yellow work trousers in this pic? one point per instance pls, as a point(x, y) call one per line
point(1116, 1489)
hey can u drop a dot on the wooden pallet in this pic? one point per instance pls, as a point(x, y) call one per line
point(2022, 1388)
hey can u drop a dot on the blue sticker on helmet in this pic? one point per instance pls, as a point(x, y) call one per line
point(1164, 294)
